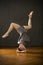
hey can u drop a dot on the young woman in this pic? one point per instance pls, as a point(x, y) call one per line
point(22, 30)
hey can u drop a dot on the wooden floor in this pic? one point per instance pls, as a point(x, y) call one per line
point(33, 56)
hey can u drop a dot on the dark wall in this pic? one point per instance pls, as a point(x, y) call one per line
point(17, 11)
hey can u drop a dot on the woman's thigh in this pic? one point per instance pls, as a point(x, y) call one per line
point(16, 26)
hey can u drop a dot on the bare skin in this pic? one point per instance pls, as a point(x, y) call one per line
point(21, 46)
point(16, 26)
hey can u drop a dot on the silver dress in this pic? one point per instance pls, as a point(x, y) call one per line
point(23, 35)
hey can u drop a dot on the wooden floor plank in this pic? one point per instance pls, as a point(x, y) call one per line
point(33, 56)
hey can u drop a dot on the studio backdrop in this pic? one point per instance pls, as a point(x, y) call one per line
point(17, 11)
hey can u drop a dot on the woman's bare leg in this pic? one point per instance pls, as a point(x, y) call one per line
point(12, 26)
point(29, 26)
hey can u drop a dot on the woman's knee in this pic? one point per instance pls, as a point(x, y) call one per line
point(12, 23)
point(16, 26)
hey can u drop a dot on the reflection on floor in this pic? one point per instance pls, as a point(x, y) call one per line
point(33, 56)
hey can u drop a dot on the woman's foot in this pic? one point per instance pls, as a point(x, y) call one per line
point(30, 15)
point(5, 35)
